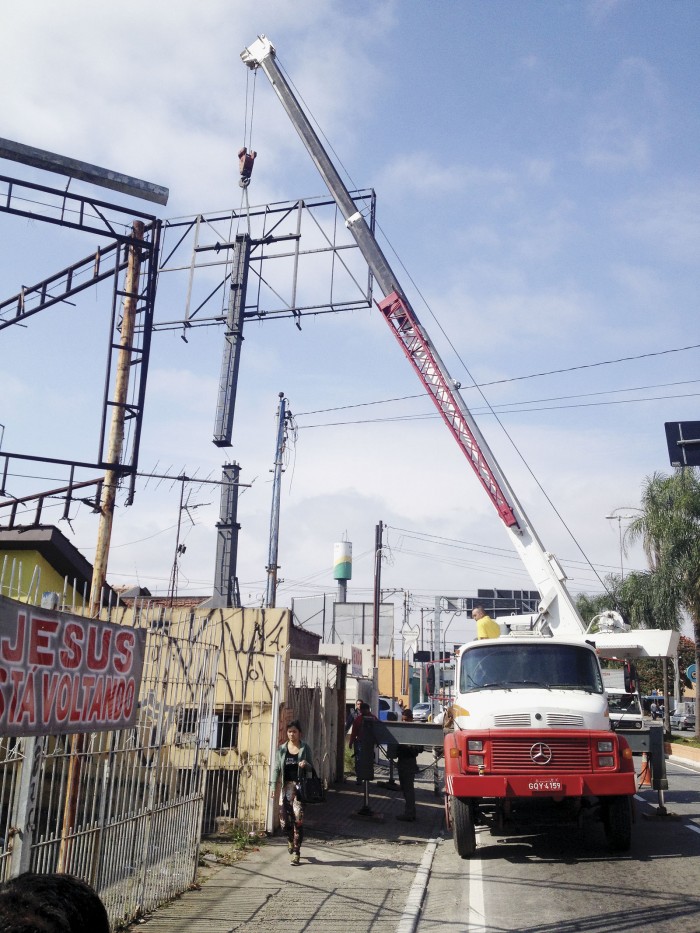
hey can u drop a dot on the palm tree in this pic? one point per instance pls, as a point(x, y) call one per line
point(669, 531)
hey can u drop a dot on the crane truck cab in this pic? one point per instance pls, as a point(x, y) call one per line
point(531, 725)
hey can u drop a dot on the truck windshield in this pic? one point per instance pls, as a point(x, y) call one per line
point(624, 703)
point(561, 667)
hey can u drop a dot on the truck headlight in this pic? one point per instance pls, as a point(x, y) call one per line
point(477, 761)
point(606, 761)
point(605, 745)
point(475, 745)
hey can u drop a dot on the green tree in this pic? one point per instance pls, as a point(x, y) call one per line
point(668, 528)
point(650, 671)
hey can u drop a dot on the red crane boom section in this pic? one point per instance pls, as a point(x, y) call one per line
point(418, 351)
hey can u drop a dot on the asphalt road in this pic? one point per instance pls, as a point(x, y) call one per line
point(566, 881)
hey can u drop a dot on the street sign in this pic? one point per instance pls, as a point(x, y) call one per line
point(692, 673)
point(683, 440)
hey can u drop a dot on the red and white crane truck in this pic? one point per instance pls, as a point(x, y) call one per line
point(531, 721)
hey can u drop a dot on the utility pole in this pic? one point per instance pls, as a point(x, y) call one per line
point(116, 436)
point(405, 685)
point(378, 535)
point(226, 591)
point(108, 498)
point(272, 567)
point(179, 549)
point(437, 657)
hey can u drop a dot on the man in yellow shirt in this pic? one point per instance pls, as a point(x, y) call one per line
point(485, 625)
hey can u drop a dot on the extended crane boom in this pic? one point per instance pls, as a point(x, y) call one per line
point(557, 613)
point(557, 610)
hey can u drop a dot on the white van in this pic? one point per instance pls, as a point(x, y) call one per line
point(625, 709)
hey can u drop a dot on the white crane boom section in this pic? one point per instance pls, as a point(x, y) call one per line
point(557, 611)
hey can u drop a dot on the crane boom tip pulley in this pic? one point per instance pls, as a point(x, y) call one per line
point(257, 51)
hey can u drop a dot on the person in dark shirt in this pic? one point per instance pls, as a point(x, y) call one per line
point(352, 715)
point(291, 759)
point(407, 767)
point(355, 740)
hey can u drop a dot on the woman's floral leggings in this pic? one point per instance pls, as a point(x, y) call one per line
point(292, 815)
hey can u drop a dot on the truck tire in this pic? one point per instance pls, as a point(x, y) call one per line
point(463, 827)
point(618, 823)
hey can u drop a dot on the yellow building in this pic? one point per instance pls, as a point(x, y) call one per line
point(38, 560)
point(393, 679)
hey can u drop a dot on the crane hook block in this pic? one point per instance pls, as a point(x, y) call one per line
point(245, 163)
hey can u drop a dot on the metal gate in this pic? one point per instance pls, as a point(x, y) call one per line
point(312, 698)
point(244, 736)
point(121, 809)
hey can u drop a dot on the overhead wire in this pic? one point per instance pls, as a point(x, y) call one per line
point(485, 550)
point(571, 369)
point(554, 398)
point(502, 409)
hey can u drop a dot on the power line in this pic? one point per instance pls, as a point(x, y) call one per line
point(503, 409)
point(554, 398)
point(571, 369)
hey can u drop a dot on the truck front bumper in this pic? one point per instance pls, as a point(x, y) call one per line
point(539, 785)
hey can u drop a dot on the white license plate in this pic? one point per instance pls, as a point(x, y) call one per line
point(546, 786)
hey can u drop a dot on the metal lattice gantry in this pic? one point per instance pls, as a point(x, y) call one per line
point(287, 240)
point(113, 225)
point(285, 260)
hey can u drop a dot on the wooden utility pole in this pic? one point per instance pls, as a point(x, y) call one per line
point(272, 566)
point(104, 531)
point(116, 435)
point(378, 535)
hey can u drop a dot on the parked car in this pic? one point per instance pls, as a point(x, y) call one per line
point(683, 721)
point(421, 712)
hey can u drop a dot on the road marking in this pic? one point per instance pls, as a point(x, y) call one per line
point(683, 822)
point(674, 761)
point(411, 911)
point(476, 918)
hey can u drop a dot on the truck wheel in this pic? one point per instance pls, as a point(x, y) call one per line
point(463, 827)
point(618, 823)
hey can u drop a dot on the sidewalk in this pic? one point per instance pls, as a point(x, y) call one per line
point(357, 872)
point(366, 874)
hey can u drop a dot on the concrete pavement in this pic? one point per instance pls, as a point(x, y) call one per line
point(358, 872)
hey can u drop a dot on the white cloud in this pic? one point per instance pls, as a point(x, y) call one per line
point(622, 126)
point(421, 174)
point(667, 219)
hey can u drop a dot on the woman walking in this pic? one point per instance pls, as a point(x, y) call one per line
point(291, 758)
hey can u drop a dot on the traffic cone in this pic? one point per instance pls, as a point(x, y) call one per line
point(644, 774)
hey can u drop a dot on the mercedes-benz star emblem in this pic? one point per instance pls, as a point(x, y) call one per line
point(541, 754)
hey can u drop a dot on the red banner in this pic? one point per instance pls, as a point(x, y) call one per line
point(64, 673)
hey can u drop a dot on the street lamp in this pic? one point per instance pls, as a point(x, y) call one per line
point(618, 518)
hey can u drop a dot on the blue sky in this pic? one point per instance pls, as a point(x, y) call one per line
point(536, 173)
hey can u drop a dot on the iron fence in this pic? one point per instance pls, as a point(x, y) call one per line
point(121, 809)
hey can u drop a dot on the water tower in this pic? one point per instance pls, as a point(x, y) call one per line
point(342, 567)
